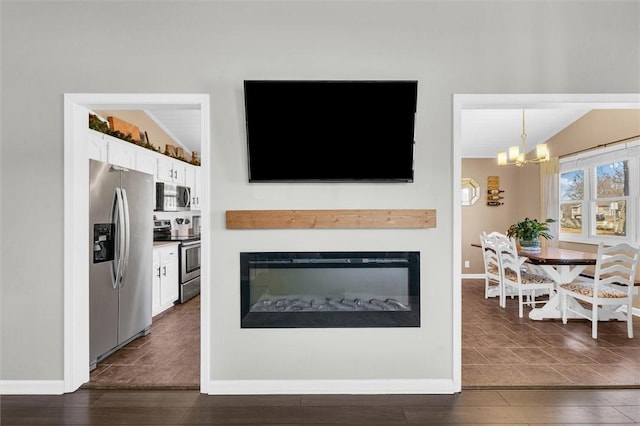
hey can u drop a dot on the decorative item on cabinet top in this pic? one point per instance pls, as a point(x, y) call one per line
point(494, 193)
point(125, 131)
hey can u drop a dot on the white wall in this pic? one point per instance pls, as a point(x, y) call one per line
point(50, 48)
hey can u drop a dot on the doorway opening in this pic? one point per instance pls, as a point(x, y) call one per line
point(465, 102)
point(76, 221)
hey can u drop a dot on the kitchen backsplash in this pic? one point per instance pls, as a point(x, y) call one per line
point(172, 216)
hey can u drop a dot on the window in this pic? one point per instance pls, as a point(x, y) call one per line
point(599, 195)
point(612, 191)
point(571, 201)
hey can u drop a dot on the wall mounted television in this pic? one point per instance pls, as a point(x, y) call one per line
point(330, 130)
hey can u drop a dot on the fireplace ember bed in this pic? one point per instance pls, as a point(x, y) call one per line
point(329, 289)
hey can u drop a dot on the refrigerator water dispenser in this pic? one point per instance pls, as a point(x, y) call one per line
point(103, 242)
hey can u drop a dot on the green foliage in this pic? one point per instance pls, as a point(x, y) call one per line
point(96, 124)
point(530, 229)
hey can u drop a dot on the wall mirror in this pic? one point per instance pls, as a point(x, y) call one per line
point(470, 191)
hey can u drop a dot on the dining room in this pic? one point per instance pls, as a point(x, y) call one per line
point(589, 187)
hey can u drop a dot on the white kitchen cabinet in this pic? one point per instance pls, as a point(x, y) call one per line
point(170, 170)
point(193, 181)
point(165, 277)
point(112, 150)
point(147, 161)
point(97, 146)
point(121, 153)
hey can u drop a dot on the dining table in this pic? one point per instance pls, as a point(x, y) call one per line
point(562, 266)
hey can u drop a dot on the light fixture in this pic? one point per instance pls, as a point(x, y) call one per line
point(516, 154)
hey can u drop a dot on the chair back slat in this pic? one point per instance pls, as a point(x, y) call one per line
point(617, 264)
point(491, 243)
point(612, 287)
point(525, 284)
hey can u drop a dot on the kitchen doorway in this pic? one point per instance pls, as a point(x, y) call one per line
point(76, 205)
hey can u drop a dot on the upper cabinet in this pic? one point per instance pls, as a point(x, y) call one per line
point(146, 161)
point(170, 170)
point(122, 153)
point(193, 181)
point(112, 150)
point(97, 146)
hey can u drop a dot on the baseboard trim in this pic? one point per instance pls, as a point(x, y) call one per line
point(31, 387)
point(336, 387)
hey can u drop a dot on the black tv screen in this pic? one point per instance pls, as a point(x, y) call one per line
point(330, 131)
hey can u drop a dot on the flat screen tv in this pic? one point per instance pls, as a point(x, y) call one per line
point(330, 131)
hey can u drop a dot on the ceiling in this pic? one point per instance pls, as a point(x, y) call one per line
point(182, 125)
point(484, 132)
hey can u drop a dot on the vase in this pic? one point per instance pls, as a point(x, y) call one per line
point(530, 245)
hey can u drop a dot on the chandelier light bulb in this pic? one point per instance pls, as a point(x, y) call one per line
point(518, 157)
point(542, 152)
point(502, 158)
point(514, 152)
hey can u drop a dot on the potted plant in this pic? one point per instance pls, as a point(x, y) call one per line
point(529, 231)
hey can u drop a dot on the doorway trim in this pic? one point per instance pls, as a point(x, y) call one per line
point(76, 222)
point(505, 101)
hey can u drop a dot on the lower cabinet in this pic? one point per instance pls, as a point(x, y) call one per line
point(165, 277)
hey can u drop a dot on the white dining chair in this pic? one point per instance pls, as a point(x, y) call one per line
point(612, 285)
point(515, 278)
point(492, 270)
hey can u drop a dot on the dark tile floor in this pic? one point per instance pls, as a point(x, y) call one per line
point(168, 357)
point(500, 349)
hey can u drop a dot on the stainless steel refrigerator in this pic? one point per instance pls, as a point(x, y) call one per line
point(121, 256)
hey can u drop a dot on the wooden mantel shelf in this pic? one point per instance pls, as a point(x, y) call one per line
point(327, 219)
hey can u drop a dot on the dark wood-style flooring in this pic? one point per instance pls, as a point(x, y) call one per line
point(188, 407)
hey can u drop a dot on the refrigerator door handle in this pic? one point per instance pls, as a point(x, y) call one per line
point(117, 215)
point(127, 235)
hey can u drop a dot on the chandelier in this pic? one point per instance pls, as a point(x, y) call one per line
point(516, 154)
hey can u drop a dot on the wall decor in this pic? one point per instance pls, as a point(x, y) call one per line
point(494, 193)
point(470, 191)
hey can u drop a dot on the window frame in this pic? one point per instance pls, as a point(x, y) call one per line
point(588, 163)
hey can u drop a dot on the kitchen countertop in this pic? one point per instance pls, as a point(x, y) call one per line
point(164, 243)
point(177, 239)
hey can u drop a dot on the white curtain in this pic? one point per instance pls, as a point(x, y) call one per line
point(549, 197)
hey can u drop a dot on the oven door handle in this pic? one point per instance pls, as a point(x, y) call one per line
point(190, 243)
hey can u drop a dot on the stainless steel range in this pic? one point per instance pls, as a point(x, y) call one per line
point(189, 258)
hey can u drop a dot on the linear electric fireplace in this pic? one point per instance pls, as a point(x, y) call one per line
point(330, 289)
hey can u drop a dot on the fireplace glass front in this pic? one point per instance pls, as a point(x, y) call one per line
point(330, 289)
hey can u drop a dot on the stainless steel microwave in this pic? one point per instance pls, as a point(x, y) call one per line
point(172, 198)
